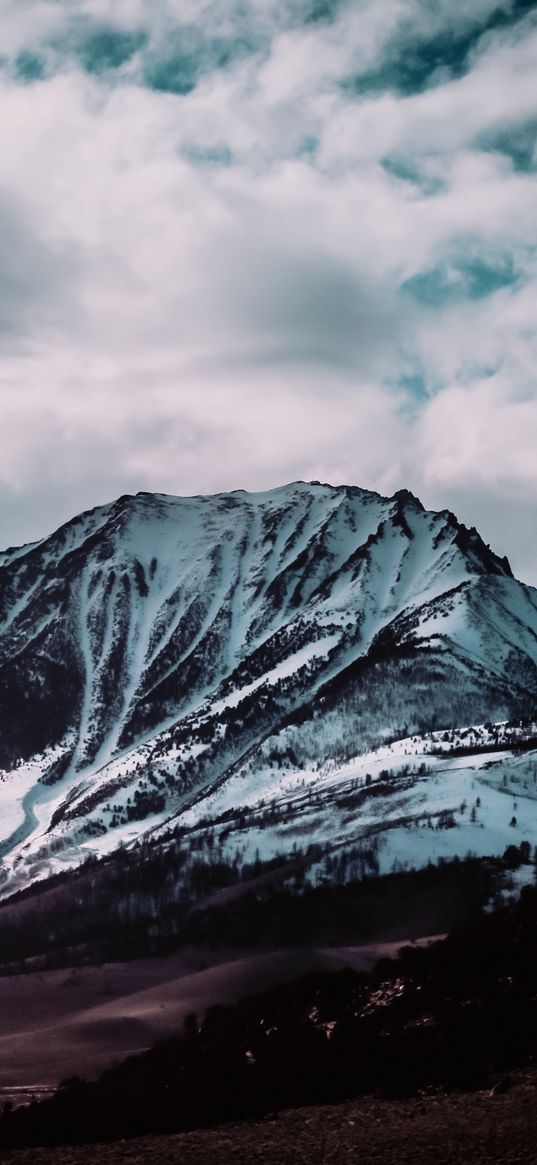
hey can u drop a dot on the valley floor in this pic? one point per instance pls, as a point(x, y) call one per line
point(480, 1128)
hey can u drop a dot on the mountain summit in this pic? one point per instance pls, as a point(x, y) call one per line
point(153, 648)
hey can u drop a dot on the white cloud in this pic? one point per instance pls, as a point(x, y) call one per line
point(497, 92)
point(484, 435)
point(205, 290)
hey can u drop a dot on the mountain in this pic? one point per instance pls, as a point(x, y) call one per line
point(256, 672)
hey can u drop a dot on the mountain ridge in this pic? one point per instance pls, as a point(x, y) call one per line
point(191, 629)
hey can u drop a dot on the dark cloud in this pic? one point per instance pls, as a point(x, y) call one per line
point(36, 279)
point(284, 301)
point(318, 310)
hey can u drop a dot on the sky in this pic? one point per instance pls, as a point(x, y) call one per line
point(245, 242)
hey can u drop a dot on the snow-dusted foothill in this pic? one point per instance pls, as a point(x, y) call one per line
point(165, 660)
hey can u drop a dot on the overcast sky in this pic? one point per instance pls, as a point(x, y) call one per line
point(248, 241)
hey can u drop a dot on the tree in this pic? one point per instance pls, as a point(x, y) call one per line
point(511, 857)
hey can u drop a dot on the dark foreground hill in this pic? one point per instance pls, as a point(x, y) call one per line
point(457, 1015)
point(479, 1128)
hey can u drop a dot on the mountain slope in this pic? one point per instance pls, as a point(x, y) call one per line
point(154, 648)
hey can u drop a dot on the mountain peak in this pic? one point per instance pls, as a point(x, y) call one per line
point(153, 643)
point(406, 497)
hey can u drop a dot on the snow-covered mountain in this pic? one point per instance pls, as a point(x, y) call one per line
point(164, 659)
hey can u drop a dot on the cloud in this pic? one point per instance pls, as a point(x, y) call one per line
point(477, 446)
point(248, 242)
point(36, 278)
point(483, 434)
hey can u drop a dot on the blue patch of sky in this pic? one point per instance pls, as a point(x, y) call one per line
point(406, 171)
point(517, 142)
point(468, 278)
point(415, 68)
point(411, 66)
point(178, 73)
point(323, 11)
point(216, 155)
point(188, 56)
point(308, 147)
point(414, 384)
point(95, 48)
point(174, 65)
point(105, 48)
point(29, 67)
point(190, 51)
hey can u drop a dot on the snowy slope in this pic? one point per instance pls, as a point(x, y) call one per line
point(152, 648)
point(399, 806)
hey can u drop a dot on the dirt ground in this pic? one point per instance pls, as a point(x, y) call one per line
point(55, 1024)
point(475, 1129)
